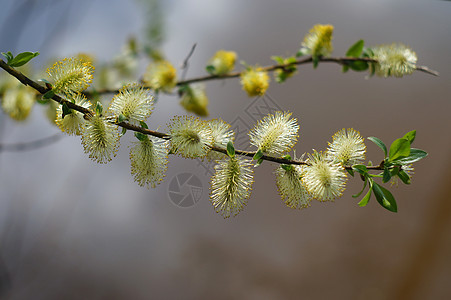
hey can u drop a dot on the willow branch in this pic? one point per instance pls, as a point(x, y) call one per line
point(32, 145)
point(272, 68)
point(88, 113)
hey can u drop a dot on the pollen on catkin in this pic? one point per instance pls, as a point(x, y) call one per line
point(190, 136)
point(134, 102)
point(221, 134)
point(222, 62)
point(291, 188)
point(100, 138)
point(347, 148)
point(325, 180)
point(17, 102)
point(71, 75)
point(275, 133)
point(318, 42)
point(149, 158)
point(194, 99)
point(72, 123)
point(255, 81)
point(231, 185)
point(393, 60)
point(160, 75)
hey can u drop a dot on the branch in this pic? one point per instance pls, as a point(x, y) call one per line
point(27, 81)
point(272, 68)
point(25, 146)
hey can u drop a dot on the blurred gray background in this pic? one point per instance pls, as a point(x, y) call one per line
point(72, 229)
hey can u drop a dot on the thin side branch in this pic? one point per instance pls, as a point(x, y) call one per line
point(271, 68)
point(32, 145)
point(27, 81)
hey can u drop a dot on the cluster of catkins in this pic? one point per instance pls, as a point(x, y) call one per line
point(320, 176)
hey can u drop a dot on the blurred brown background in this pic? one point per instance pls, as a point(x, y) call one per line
point(72, 229)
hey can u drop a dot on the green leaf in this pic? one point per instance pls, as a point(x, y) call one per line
point(287, 167)
point(362, 169)
point(356, 49)
point(358, 66)
point(66, 110)
point(210, 69)
point(360, 193)
point(42, 100)
point(379, 143)
point(121, 118)
point(278, 59)
point(49, 94)
point(124, 131)
point(230, 149)
point(400, 148)
point(414, 156)
point(22, 58)
point(259, 162)
point(315, 60)
point(365, 199)
point(410, 136)
point(258, 155)
point(350, 171)
point(385, 198)
point(99, 108)
point(404, 177)
point(386, 175)
point(345, 68)
point(143, 124)
point(140, 136)
point(8, 55)
point(288, 156)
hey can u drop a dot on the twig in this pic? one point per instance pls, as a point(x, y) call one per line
point(185, 62)
point(271, 68)
point(27, 81)
point(32, 145)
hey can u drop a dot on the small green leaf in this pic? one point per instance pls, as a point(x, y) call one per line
point(124, 131)
point(121, 118)
point(358, 66)
point(356, 49)
point(140, 136)
point(404, 177)
point(365, 199)
point(99, 108)
point(415, 155)
point(66, 110)
point(350, 171)
point(315, 60)
point(400, 148)
point(386, 175)
point(210, 69)
point(258, 155)
point(49, 94)
point(410, 136)
point(278, 59)
point(42, 100)
point(22, 58)
point(288, 156)
point(379, 143)
point(345, 69)
point(385, 198)
point(259, 162)
point(230, 149)
point(8, 55)
point(362, 169)
point(360, 193)
point(287, 167)
point(143, 124)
